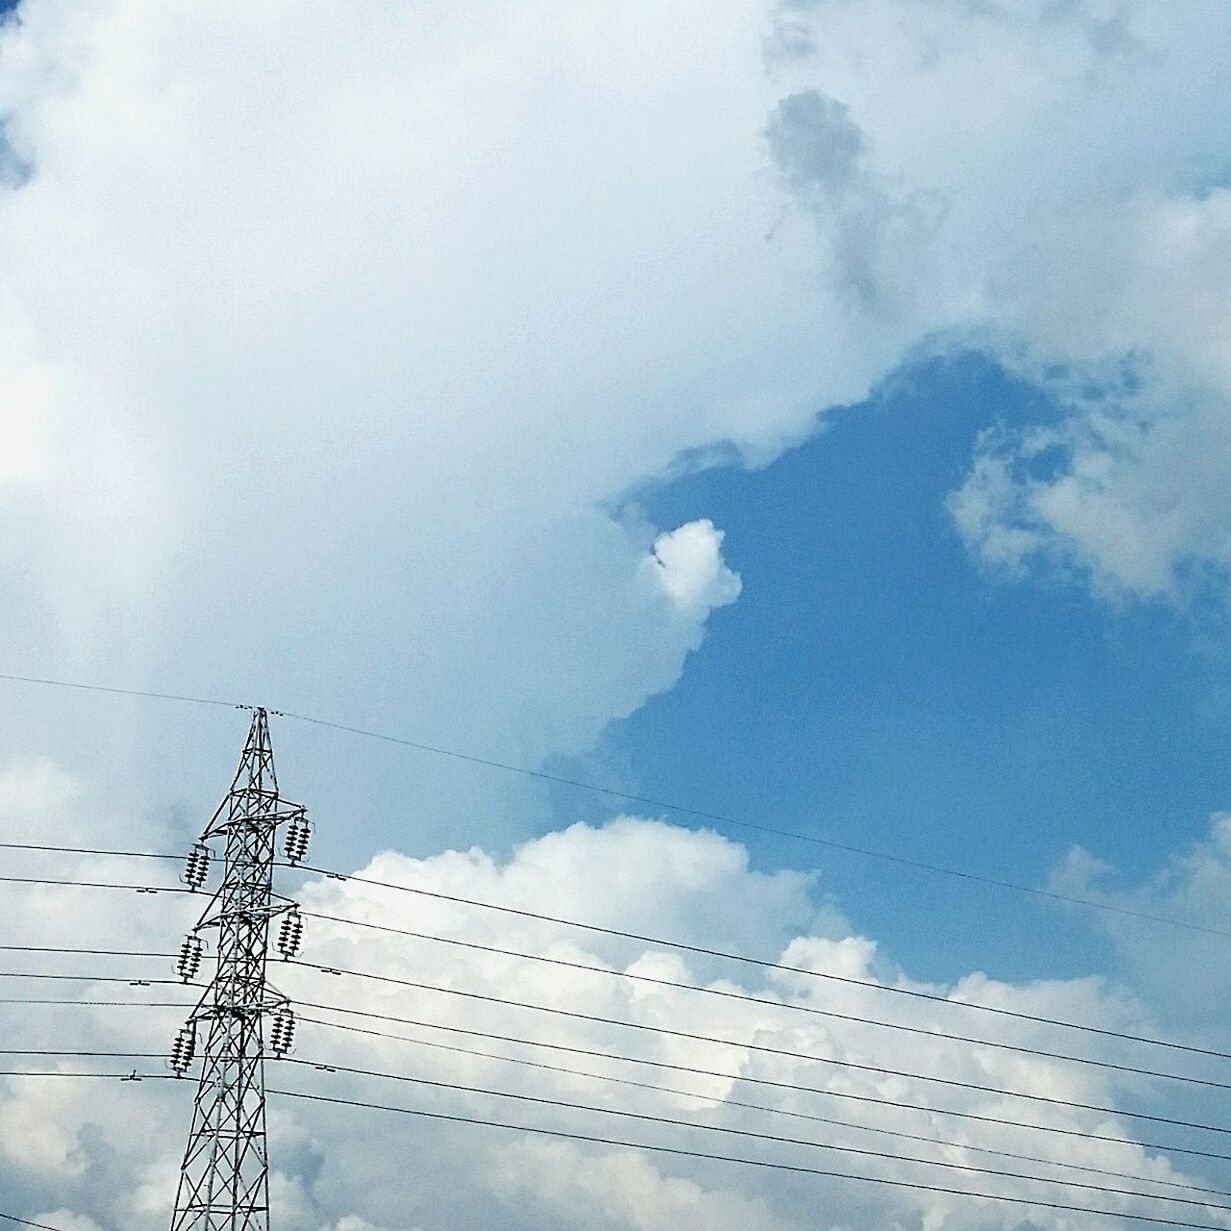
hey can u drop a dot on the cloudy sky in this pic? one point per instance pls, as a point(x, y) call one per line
point(814, 413)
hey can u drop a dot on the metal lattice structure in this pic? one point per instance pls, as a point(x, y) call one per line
point(224, 1178)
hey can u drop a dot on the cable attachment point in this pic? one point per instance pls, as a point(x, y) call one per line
point(282, 1032)
point(290, 934)
point(189, 960)
point(196, 870)
point(183, 1051)
point(298, 834)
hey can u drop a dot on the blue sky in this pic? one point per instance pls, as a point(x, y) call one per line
point(874, 685)
point(814, 413)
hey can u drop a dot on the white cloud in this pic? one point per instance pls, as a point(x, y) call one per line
point(353, 341)
point(687, 563)
point(1064, 170)
point(1190, 887)
point(113, 1150)
point(350, 341)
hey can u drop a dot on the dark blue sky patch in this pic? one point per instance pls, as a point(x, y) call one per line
point(874, 686)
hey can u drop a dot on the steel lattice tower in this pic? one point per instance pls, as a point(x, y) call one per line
point(224, 1178)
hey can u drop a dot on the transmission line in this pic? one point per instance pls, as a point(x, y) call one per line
point(884, 856)
point(86, 850)
point(86, 952)
point(26, 974)
point(681, 946)
point(793, 1168)
point(810, 1057)
point(748, 998)
point(26, 1222)
point(742, 958)
point(80, 884)
point(749, 1134)
point(111, 1004)
point(768, 1109)
point(770, 1083)
point(102, 1055)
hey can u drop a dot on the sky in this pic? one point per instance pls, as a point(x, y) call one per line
point(813, 413)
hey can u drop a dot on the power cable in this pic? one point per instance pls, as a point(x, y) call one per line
point(681, 946)
point(794, 1168)
point(111, 1004)
point(748, 998)
point(792, 1087)
point(648, 801)
point(101, 1055)
point(26, 974)
point(721, 819)
point(748, 1134)
point(765, 1107)
point(809, 1057)
point(744, 959)
point(79, 884)
point(26, 1222)
point(132, 1076)
point(123, 692)
point(86, 850)
point(91, 952)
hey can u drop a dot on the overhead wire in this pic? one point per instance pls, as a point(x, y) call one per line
point(713, 817)
point(27, 1222)
point(741, 958)
point(747, 1134)
point(76, 978)
point(794, 1168)
point(765, 1001)
point(62, 1002)
point(92, 952)
point(769, 1109)
point(643, 938)
point(770, 1083)
point(87, 850)
point(810, 1057)
point(84, 884)
point(101, 1055)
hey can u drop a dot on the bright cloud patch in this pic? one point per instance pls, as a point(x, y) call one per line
point(111, 1153)
point(1048, 182)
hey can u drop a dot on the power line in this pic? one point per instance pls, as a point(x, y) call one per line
point(133, 1076)
point(794, 1168)
point(722, 819)
point(89, 952)
point(111, 1004)
point(749, 1134)
point(811, 1058)
point(102, 1055)
point(718, 818)
point(770, 1083)
point(743, 959)
point(79, 884)
point(73, 978)
point(748, 998)
point(123, 692)
point(26, 1222)
point(765, 1107)
point(86, 850)
point(682, 946)
point(808, 1057)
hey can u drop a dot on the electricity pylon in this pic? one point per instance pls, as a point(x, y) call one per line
point(224, 1178)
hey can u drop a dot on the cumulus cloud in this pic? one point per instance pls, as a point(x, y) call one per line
point(1190, 887)
point(353, 341)
point(113, 1150)
point(687, 563)
point(1064, 170)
